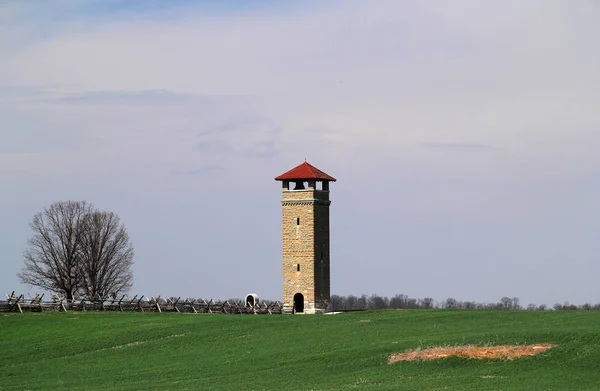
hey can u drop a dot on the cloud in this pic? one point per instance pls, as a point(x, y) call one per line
point(133, 97)
point(431, 70)
point(247, 136)
point(329, 81)
point(125, 129)
point(197, 171)
point(26, 134)
point(460, 147)
point(332, 81)
point(124, 102)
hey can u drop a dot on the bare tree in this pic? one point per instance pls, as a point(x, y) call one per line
point(427, 302)
point(506, 303)
point(451, 303)
point(377, 302)
point(76, 249)
point(106, 255)
point(351, 302)
point(51, 260)
point(516, 303)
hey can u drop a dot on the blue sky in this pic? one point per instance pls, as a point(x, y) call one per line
point(464, 138)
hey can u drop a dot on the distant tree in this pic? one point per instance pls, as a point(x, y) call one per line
point(568, 306)
point(427, 302)
point(76, 249)
point(362, 303)
point(106, 255)
point(506, 303)
point(565, 306)
point(351, 303)
point(515, 303)
point(378, 303)
point(398, 301)
point(336, 303)
point(53, 253)
point(451, 303)
point(412, 303)
point(401, 301)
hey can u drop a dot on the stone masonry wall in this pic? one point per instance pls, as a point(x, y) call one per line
point(305, 230)
point(322, 257)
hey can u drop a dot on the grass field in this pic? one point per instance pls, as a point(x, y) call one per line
point(169, 351)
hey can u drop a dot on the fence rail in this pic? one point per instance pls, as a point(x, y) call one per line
point(14, 303)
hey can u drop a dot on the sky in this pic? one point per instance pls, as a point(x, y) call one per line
point(463, 135)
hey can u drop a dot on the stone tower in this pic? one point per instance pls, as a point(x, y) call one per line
point(305, 227)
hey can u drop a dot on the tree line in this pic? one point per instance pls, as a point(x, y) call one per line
point(76, 249)
point(401, 301)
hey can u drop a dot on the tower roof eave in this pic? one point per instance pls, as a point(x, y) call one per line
point(305, 171)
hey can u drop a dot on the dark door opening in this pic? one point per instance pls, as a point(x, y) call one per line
point(250, 301)
point(298, 302)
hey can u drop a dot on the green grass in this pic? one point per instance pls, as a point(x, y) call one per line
point(140, 351)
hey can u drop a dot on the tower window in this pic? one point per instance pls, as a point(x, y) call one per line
point(297, 267)
point(297, 220)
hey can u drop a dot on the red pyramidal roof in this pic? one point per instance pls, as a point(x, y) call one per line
point(305, 171)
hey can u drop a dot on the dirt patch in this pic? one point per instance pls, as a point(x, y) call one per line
point(507, 352)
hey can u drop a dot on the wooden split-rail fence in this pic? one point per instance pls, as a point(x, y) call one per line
point(14, 303)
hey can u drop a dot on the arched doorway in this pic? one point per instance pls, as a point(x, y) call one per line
point(298, 302)
point(251, 300)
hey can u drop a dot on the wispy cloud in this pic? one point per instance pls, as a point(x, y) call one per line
point(134, 97)
point(125, 100)
point(247, 136)
point(197, 171)
point(417, 71)
point(458, 146)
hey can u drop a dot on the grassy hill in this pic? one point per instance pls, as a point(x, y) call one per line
point(169, 351)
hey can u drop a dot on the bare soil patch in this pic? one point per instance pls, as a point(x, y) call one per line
point(507, 352)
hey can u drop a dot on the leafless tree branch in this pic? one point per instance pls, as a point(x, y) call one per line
point(107, 255)
point(76, 249)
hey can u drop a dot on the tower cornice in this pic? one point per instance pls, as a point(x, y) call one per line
point(306, 201)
